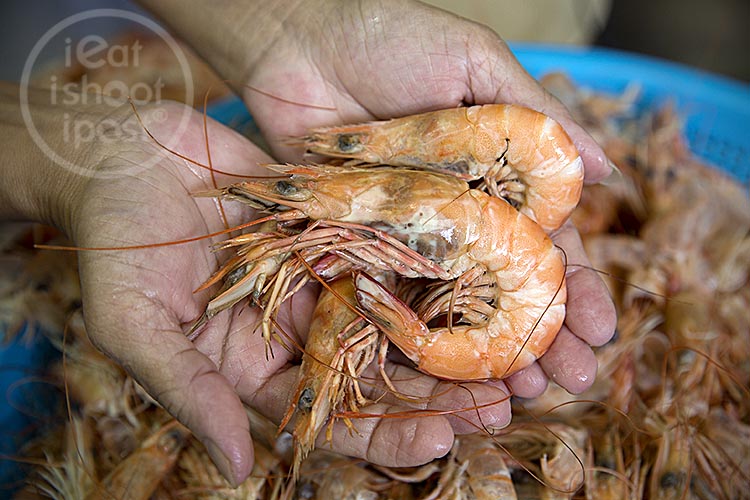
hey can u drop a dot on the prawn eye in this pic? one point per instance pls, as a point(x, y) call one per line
point(671, 480)
point(306, 399)
point(348, 142)
point(172, 441)
point(285, 188)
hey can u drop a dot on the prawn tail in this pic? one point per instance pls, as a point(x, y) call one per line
point(434, 351)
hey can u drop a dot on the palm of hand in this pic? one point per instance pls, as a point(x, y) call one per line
point(375, 60)
point(138, 303)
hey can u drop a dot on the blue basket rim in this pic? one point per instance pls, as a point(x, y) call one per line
point(631, 67)
point(594, 52)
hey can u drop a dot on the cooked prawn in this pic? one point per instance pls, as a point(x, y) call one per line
point(523, 156)
point(203, 481)
point(607, 476)
point(554, 451)
point(76, 473)
point(329, 475)
point(444, 230)
point(340, 345)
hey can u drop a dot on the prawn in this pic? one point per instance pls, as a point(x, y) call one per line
point(673, 464)
point(554, 452)
point(487, 472)
point(141, 472)
point(523, 155)
point(427, 224)
point(330, 475)
point(607, 476)
point(204, 481)
point(339, 347)
point(75, 474)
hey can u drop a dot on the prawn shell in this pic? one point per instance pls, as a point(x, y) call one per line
point(418, 222)
point(544, 173)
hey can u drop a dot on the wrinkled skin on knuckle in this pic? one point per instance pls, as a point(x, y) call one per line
point(531, 382)
point(487, 405)
point(410, 442)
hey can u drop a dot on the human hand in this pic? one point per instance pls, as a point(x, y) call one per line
point(365, 60)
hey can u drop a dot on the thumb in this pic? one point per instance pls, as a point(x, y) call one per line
point(506, 81)
point(184, 381)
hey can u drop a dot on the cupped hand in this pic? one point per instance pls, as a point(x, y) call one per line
point(139, 303)
point(361, 60)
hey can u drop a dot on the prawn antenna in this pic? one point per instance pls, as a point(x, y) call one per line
point(465, 192)
point(176, 153)
point(476, 407)
point(208, 156)
point(566, 445)
point(539, 319)
point(154, 245)
point(282, 99)
point(629, 284)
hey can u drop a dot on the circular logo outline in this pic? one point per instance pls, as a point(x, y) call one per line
point(69, 21)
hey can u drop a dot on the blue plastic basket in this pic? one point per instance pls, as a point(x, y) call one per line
point(716, 109)
point(27, 401)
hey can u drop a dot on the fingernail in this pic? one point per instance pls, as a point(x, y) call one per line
point(612, 166)
point(221, 461)
point(614, 177)
point(595, 162)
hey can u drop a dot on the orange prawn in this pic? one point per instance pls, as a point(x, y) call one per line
point(523, 155)
point(339, 347)
point(509, 277)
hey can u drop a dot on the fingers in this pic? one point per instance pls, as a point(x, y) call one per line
point(590, 321)
point(591, 314)
point(411, 427)
point(385, 436)
point(597, 166)
point(404, 439)
point(473, 406)
point(530, 382)
point(182, 379)
point(570, 362)
point(244, 359)
point(528, 92)
point(468, 406)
